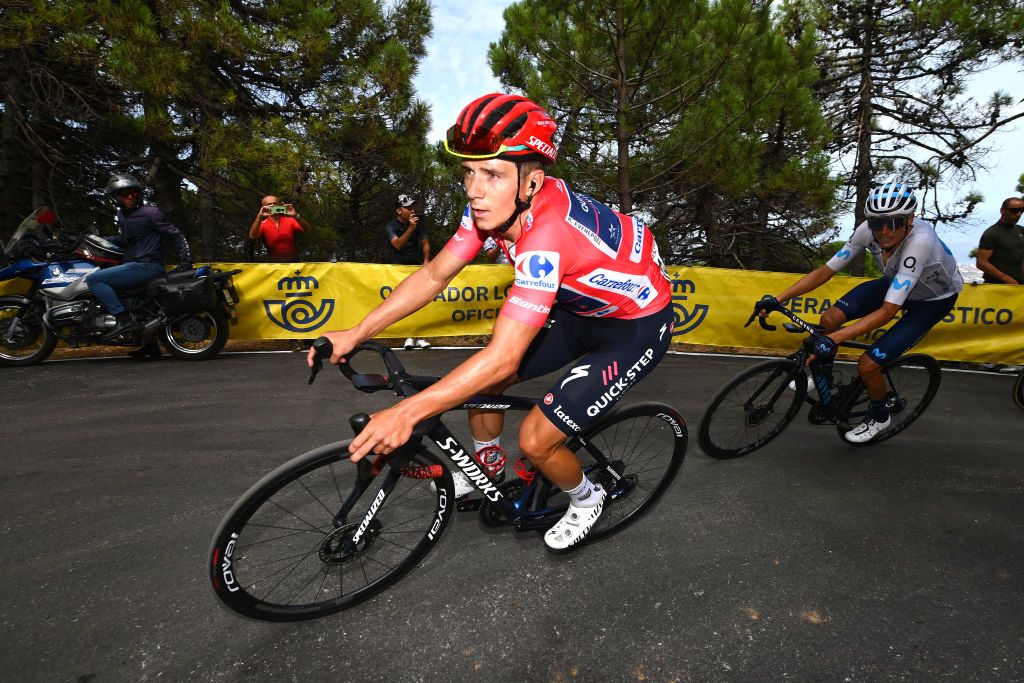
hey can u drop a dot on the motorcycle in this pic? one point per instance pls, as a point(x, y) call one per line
point(189, 311)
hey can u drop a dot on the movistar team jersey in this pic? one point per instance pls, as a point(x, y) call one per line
point(575, 251)
point(922, 268)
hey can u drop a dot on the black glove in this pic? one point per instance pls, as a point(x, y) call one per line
point(823, 348)
point(767, 303)
point(182, 267)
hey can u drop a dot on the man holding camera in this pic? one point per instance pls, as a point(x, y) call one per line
point(278, 222)
point(409, 245)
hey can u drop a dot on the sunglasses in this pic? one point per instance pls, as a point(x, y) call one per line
point(1019, 209)
point(486, 147)
point(879, 223)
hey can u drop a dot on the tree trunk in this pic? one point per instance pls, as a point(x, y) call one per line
point(863, 170)
point(8, 158)
point(622, 129)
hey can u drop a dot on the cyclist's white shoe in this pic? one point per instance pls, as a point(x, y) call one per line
point(464, 488)
point(810, 385)
point(575, 523)
point(867, 430)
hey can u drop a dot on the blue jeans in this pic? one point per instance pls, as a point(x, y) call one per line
point(125, 276)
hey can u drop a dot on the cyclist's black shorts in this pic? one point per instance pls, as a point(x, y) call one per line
point(917, 318)
point(613, 356)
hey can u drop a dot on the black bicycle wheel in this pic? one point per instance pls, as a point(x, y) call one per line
point(279, 556)
point(644, 445)
point(1018, 391)
point(914, 380)
point(752, 409)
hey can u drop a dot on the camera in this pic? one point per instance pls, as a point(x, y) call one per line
point(278, 209)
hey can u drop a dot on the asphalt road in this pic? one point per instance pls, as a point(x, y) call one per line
point(808, 560)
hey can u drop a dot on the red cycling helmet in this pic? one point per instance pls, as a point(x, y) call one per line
point(502, 126)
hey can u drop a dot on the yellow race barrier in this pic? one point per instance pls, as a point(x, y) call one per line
point(302, 300)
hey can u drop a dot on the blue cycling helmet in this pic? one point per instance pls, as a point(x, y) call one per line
point(894, 198)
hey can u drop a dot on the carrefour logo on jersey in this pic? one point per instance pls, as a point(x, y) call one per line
point(636, 287)
point(537, 270)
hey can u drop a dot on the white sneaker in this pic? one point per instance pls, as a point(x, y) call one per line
point(867, 430)
point(408, 344)
point(464, 488)
point(422, 344)
point(575, 524)
point(810, 385)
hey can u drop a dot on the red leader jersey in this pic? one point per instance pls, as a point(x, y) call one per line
point(575, 251)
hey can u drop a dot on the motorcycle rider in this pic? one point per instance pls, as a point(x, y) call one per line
point(141, 227)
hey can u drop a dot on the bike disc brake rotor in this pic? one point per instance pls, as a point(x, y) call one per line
point(758, 414)
point(338, 547)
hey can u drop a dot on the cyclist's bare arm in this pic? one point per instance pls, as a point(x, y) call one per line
point(814, 279)
point(409, 296)
point(498, 361)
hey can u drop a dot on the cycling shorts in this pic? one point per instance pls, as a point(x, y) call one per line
point(918, 317)
point(613, 354)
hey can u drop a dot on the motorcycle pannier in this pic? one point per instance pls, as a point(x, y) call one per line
point(185, 296)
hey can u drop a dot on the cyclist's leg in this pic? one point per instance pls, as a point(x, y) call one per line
point(918, 318)
point(623, 353)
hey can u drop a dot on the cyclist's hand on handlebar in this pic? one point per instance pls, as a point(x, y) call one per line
point(387, 430)
point(822, 347)
point(766, 304)
point(343, 340)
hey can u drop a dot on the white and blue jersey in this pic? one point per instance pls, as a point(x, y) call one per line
point(922, 268)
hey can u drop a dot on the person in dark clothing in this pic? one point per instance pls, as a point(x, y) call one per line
point(141, 228)
point(408, 240)
point(1001, 249)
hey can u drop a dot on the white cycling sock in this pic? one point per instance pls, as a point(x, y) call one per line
point(584, 495)
point(479, 445)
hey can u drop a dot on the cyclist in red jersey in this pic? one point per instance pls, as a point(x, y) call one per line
point(589, 287)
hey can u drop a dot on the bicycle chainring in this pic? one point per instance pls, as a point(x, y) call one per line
point(489, 513)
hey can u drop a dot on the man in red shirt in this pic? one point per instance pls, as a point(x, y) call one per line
point(278, 222)
point(589, 291)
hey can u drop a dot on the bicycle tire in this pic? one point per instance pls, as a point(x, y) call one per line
point(915, 379)
point(645, 444)
point(733, 425)
point(1018, 390)
point(278, 557)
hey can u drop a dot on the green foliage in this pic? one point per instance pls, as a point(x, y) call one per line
point(698, 116)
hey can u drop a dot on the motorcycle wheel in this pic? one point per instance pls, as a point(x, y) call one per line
point(29, 342)
point(196, 336)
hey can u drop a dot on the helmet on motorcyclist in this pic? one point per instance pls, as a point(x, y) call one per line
point(502, 126)
point(894, 198)
point(122, 181)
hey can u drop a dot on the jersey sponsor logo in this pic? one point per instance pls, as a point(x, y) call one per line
point(910, 263)
point(898, 284)
point(564, 417)
point(636, 287)
point(537, 270)
point(843, 253)
point(610, 372)
point(549, 399)
point(541, 146)
point(879, 354)
point(577, 372)
point(622, 384)
point(638, 242)
point(596, 222)
point(529, 305)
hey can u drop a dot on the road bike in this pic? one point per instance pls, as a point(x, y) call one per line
point(760, 402)
point(321, 533)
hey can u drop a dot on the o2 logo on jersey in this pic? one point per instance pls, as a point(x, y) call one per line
point(685, 319)
point(297, 312)
point(537, 270)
